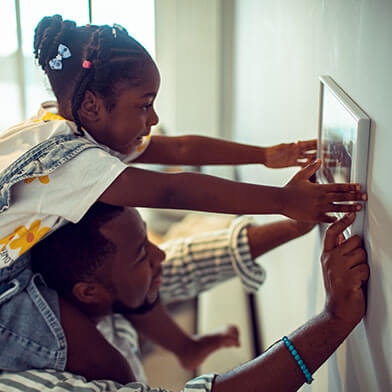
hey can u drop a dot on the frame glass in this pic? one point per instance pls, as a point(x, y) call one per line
point(343, 142)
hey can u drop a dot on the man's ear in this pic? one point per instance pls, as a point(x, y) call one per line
point(90, 108)
point(91, 293)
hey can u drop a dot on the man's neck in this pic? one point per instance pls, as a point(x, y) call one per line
point(94, 312)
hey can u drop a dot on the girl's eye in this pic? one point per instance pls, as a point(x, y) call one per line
point(146, 107)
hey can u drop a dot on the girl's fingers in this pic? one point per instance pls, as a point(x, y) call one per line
point(308, 155)
point(341, 187)
point(307, 144)
point(343, 207)
point(327, 218)
point(348, 196)
point(309, 170)
point(304, 162)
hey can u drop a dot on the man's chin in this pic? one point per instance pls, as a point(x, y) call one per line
point(149, 303)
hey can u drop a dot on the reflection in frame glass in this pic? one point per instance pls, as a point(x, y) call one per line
point(343, 142)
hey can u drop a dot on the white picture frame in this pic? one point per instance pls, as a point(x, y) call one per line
point(343, 142)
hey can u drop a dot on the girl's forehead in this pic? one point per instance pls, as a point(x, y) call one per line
point(151, 78)
point(147, 88)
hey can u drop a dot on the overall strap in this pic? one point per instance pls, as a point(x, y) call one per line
point(41, 160)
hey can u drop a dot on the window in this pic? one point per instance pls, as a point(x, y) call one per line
point(137, 16)
point(22, 81)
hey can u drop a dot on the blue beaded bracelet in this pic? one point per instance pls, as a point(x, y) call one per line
point(299, 360)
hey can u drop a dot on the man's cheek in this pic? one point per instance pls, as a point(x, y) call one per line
point(152, 295)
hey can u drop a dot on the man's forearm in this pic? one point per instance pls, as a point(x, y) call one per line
point(169, 334)
point(263, 238)
point(276, 369)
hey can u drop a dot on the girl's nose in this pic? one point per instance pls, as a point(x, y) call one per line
point(154, 119)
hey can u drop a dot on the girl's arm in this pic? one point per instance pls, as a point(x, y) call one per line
point(300, 199)
point(195, 150)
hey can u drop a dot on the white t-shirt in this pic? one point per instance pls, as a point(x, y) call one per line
point(40, 205)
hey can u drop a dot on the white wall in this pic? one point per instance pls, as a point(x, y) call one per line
point(188, 55)
point(280, 49)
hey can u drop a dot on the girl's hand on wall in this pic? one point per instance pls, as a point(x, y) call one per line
point(291, 154)
point(345, 272)
point(308, 201)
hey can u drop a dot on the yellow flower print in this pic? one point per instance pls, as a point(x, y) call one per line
point(143, 146)
point(49, 116)
point(42, 180)
point(28, 237)
point(5, 241)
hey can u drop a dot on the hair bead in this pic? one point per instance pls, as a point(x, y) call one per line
point(86, 64)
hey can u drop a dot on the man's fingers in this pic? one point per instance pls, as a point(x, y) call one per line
point(356, 257)
point(349, 245)
point(340, 239)
point(362, 273)
point(333, 231)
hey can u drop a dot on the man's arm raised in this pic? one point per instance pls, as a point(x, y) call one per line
point(345, 272)
point(263, 238)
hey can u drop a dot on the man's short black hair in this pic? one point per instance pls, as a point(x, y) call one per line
point(75, 251)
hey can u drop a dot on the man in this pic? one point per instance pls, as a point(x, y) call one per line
point(126, 284)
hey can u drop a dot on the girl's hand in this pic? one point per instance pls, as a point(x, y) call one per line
point(307, 201)
point(303, 227)
point(291, 154)
point(345, 271)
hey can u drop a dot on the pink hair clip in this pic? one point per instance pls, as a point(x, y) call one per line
point(86, 64)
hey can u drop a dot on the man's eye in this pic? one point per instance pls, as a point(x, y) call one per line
point(143, 256)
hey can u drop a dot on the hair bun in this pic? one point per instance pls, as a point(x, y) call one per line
point(44, 37)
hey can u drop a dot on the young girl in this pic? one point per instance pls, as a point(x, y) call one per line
point(55, 166)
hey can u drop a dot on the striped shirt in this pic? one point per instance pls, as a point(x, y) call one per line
point(192, 265)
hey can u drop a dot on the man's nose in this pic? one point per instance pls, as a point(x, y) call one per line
point(158, 254)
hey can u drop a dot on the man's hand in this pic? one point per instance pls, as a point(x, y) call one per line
point(345, 272)
point(291, 154)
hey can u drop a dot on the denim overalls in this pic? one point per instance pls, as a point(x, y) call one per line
point(31, 335)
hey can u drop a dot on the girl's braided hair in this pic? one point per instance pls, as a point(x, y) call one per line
point(116, 59)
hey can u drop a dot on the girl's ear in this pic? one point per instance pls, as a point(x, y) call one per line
point(91, 293)
point(91, 107)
